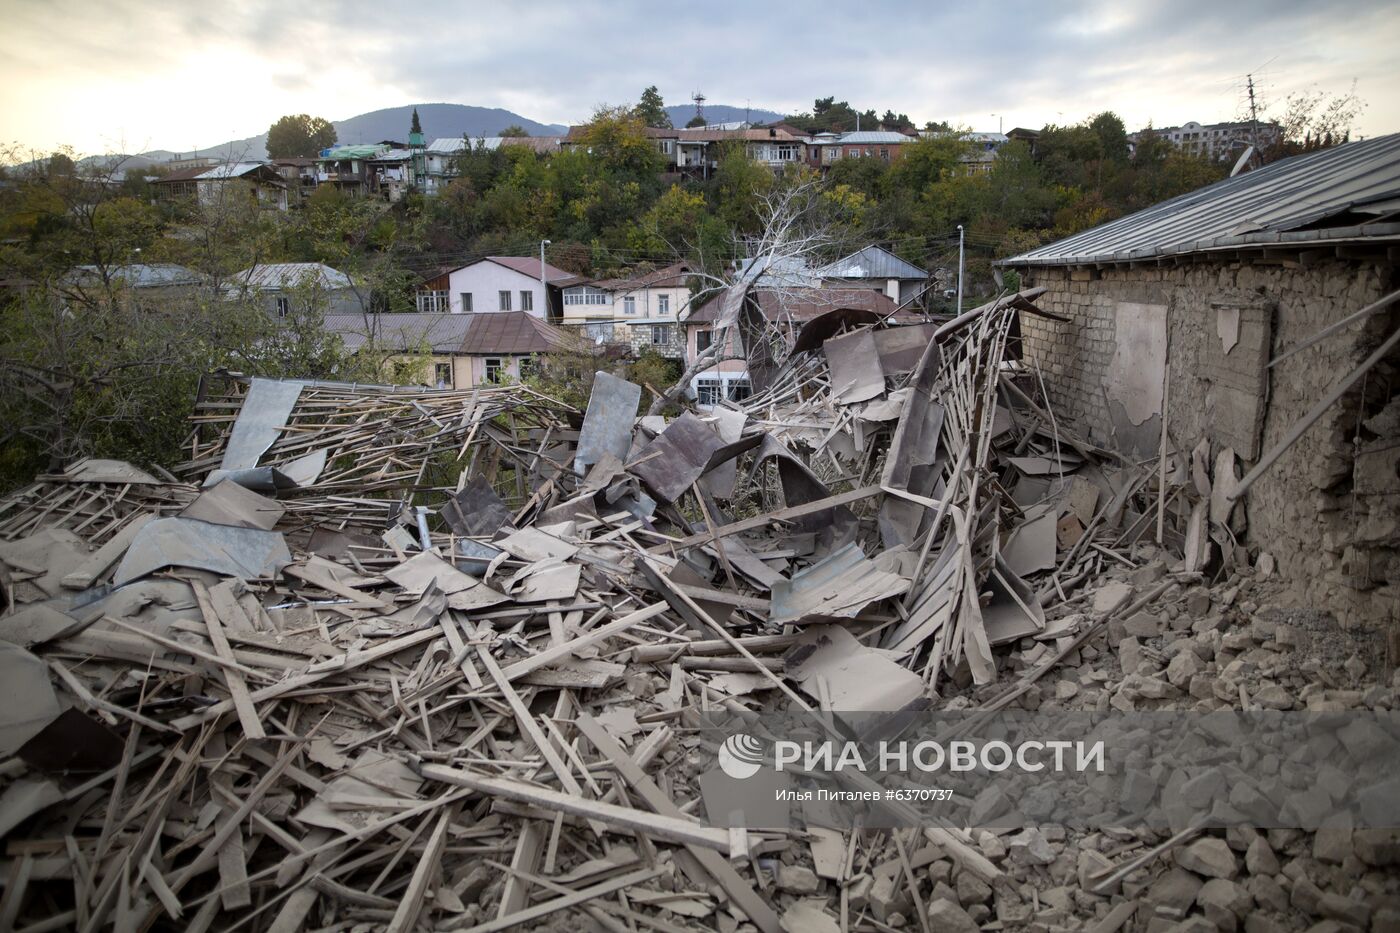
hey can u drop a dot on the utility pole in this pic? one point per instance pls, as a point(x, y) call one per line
point(1253, 116)
point(544, 288)
point(960, 267)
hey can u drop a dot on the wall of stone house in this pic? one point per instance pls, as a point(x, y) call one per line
point(1328, 511)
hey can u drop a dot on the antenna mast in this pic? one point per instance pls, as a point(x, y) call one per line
point(699, 99)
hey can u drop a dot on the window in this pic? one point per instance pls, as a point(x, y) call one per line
point(663, 304)
point(739, 390)
point(629, 306)
point(495, 366)
point(505, 299)
point(284, 307)
point(599, 332)
point(885, 154)
point(431, 302)
point(708, 391)
point(585, 296)
point(527, 300)
point(466, 302)
point(528, 367)
point(442, 375)
point(702, 341)
point(661, 335)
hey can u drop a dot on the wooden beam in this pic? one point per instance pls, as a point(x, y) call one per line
point(740, 891)
point(758, 521)
point(406, 916)
point(671, 829)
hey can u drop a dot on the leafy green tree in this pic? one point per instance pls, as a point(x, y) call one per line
point(739, 183)
point(299, 136)
point(415, 126)
point(617, 137)
point(695, 121)
point(651, 109)
point(1112, 135)
point(672, 222)
point(514, 131)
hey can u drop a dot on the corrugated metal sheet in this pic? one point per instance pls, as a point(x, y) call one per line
point(874, 138)
point(454, 144)
point(441, 333)
point(232, 170)
point(292, 274)
point(514, 332)
point(1268, 205)
point(143, 275)
point(873, 262)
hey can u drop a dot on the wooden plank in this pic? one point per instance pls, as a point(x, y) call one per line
point(740, 892)
point(528, 726)
point(315, 674)
point(529, 848)
point(237, 686)
point(233, 873)
point(759, 521)
point(101, 560)
point(566, 902)
point(671, 829)
point(555, 652)
point(406, 916)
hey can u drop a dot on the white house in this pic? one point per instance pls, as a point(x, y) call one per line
point(505, 283)
point(643, 311)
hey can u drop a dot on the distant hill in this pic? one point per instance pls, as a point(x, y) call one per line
point(444, 120)
point(721, 113)
point(439, 121)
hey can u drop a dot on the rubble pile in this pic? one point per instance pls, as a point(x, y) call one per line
point(411, 659)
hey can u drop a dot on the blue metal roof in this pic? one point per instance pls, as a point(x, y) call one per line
point(1333, 194)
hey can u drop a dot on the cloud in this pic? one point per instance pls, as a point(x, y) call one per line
point(80, 73)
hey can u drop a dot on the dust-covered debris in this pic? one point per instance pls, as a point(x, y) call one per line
point(404, 659)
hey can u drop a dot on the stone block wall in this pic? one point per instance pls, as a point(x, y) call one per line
point(1329, 509)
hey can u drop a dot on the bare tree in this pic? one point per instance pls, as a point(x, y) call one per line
point(796, 234)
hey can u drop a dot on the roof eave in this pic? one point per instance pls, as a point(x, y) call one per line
point(1358, 233)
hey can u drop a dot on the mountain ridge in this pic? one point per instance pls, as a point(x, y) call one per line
point(441, 120)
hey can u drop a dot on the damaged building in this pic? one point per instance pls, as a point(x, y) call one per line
point(471, 658)
point(1205, 307)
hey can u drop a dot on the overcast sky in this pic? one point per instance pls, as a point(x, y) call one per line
point(132, 75)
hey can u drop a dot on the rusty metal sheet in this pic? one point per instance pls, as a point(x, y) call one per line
point(678, 457)
point(246, 553)
point(856, 373)
point(839, 585)
point(607, 424)
point(476, 510)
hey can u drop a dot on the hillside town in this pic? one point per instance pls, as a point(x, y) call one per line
point(478, 532)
